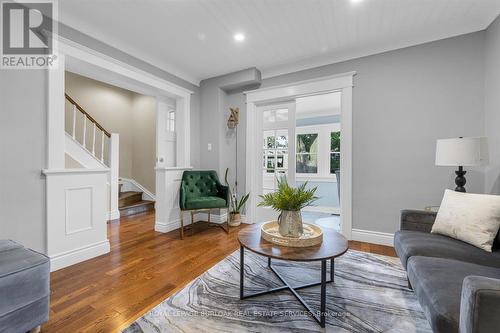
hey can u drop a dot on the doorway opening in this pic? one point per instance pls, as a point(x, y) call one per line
point(301, 141)
point(303, 131)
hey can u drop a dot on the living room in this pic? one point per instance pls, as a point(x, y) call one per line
point(276, 207)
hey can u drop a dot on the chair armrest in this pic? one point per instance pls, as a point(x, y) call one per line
point(480, 305)
point(182, 196)
point(417, 220)
point(223, 192)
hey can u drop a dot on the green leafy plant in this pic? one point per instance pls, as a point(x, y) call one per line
point(236, 204)
point(288, 197)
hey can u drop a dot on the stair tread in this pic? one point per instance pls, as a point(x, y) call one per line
point(127, 194)
point(138, 203)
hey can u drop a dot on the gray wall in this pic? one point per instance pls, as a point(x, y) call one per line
point(402, 102)
point(218, 94)
point(22, 156)
point(492, 106)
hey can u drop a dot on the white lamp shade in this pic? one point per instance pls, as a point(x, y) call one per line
point(462, 152)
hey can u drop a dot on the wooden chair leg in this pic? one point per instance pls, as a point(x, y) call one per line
point(192, 221)
point(227, 222)
point(182, 225)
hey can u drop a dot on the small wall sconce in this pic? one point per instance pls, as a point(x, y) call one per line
point(234, 118)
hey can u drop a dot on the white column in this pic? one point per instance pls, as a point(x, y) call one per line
point(114, 164)
point(183, 130)
point(55, 116)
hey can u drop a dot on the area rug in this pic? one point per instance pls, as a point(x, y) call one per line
point(369, 294)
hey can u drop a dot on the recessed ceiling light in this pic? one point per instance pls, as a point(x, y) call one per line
point(356, 1)
point(239, 37)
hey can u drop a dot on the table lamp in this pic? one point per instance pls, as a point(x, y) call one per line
point(462, 152)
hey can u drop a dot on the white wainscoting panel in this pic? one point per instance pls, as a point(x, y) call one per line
point(76, 223)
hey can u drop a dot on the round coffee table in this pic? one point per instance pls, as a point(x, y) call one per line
point(333, 246)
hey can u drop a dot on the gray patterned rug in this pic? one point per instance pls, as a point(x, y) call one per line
point(369, 295)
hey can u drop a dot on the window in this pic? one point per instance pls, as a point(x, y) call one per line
point(334, 151)
point(171, 121)
point(307, 153)
point(275, 151)
point(318, 151)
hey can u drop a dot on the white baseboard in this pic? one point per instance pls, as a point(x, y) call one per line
point(75, 256)
point(133, 185)
point(112, 215)
point(176, 224)
point(374, 237)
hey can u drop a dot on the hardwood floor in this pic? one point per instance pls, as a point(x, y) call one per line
point(107, 293)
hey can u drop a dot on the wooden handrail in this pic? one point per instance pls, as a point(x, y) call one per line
point(72, 101)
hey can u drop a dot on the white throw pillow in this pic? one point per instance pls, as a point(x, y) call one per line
point(471, 218)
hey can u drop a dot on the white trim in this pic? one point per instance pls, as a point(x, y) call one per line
point(374, 237)
point(302, 88)
point(176, 224)
point(112, 215)
point(311, 177)
point(161, 168)
point(341, 82)
point(64, 259)
point(147, 195)
point(73, 171)
point(66, 42)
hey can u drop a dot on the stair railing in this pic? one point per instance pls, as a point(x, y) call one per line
point(95, 126)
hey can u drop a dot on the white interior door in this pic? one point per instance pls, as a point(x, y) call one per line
point(276, 127)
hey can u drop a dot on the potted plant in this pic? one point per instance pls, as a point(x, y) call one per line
point(236, 204)
point(289, 201)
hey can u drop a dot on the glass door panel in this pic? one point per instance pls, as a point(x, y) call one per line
point(278, 151)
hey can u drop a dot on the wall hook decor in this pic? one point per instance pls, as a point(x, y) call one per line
point(234, 118)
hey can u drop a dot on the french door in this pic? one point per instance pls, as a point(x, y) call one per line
point(276, 126)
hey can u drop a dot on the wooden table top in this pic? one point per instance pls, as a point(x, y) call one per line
point(333, 245)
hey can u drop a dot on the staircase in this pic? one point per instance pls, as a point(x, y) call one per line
point(131, 203)
point(89, 146)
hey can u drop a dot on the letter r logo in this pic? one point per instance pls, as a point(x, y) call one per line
point(27, 27)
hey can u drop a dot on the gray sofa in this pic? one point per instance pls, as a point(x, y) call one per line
point(457, 284)
point(24, 288)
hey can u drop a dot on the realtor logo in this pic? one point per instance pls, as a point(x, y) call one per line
point(27, 34)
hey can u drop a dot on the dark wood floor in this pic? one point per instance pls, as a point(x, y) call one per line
point(107, 293)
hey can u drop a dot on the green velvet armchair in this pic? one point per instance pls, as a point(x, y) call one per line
point(202, 191)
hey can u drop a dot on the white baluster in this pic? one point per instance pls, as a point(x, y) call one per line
point(74, 120)
point(102, 146)
point(84, 131)
point(93, 141)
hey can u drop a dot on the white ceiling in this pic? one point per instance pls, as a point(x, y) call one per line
point(193, 39)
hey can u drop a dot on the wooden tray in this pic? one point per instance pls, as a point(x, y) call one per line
point(312, 235)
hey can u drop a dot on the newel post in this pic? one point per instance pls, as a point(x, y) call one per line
point(114, 163)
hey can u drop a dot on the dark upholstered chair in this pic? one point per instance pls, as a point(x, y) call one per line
point(202, 191)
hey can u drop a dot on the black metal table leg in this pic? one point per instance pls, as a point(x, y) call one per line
point(242, 269)
point(322, 319)
point(332, 270)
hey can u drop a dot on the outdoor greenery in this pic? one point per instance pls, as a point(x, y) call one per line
point(235, 204)
point(289, 198)
point(334, 151)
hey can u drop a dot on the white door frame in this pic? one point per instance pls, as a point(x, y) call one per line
point(341, 82)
